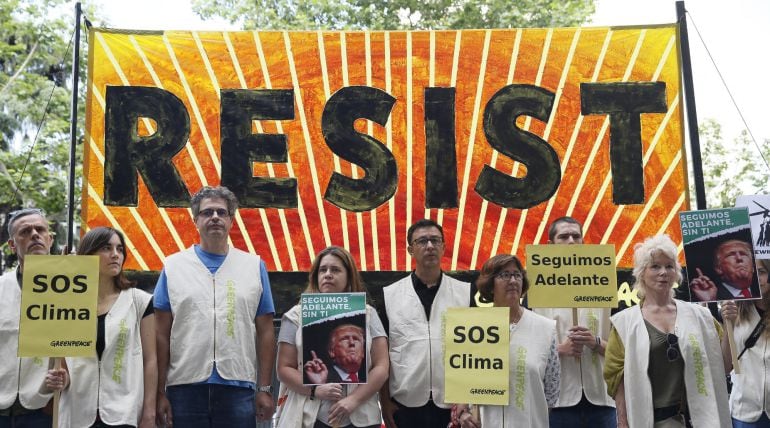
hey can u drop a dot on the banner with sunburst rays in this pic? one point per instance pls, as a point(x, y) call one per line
point(196, 66)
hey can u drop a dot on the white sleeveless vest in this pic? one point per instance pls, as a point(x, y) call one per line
point(213, 317)
point(116, 386)
point(20, 377)
point(751, 389)
point(415, 343)
point(529, 351)
point(299, 411)
point(704, 372)
point(584, 375)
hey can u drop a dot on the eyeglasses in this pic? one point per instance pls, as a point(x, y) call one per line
point(209, 212)
point(423, 242)
point(506, 276)
point(673, 353)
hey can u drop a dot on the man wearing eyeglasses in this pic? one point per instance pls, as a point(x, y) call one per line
point(21, 403)
point(414, 393)
point(214, 315)
point(583, 400)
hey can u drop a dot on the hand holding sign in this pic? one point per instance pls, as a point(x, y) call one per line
point(581, 336)
point(56, 379)
point(729, 314)
point(329, 392)
point(569, 348)
point(729, 310)
point(703, 288)
point(468, 420)
point(316, 370)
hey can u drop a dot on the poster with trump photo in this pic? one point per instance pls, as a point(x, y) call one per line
point(759, 215)
point(334, 338)
point(720, 255)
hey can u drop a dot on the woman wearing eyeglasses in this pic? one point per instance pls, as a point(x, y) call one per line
point(115, 387)
point(503, 282)
point(331, 404)
point(750, 396)
point(663, 357)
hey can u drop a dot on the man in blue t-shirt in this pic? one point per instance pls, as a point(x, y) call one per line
point(203, 302)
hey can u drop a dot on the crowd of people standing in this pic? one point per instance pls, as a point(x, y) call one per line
point(200, 351)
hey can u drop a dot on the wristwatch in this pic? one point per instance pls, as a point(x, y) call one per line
point(312, 392)
point(268, 389)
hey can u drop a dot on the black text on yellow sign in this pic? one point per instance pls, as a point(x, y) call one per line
point(476, 357)
point(58, 306)
point(572, 276)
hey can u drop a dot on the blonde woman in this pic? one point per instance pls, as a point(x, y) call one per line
point(663, 357)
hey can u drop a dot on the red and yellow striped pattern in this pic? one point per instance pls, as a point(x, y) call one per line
point(196, 65)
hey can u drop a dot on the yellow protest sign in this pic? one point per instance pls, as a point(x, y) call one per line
point(572, 276)
point(476, 367)
point(58, 306)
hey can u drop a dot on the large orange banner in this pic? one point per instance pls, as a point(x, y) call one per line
point(347, 138)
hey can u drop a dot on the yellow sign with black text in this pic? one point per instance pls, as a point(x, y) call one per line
point(572, 276)
point(58, 306)
point(476, 355)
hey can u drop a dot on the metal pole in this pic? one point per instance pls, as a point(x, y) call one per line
point(692, 115)
point(73, 130)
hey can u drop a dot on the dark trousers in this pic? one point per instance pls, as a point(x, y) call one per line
point(319, 424)
point(212, 406)
point(427, 416)
point(583, 414)
point(33, 419)
point(100, 424)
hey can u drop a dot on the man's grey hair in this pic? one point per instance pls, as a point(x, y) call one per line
point(14, 216)
point(218, 192)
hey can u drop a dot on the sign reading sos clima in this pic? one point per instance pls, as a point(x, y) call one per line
point(58, 306)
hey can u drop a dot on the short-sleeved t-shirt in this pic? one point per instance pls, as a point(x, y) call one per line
point(212, 262)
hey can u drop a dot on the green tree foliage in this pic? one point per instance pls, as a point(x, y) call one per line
point(396, 14)
point(35, 64)
point(732, 168)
